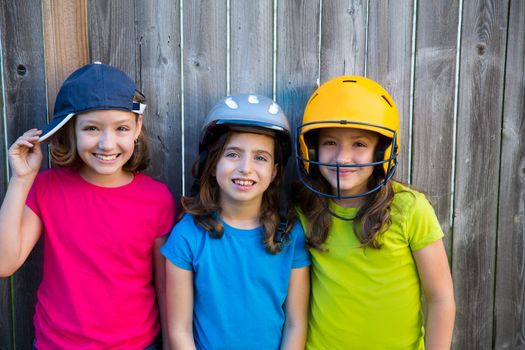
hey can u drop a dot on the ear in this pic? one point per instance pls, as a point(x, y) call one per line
point(139, 126)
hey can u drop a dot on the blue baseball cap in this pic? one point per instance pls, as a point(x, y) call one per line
point(95, 86)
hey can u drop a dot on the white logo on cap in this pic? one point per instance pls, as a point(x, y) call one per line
point(253, 99)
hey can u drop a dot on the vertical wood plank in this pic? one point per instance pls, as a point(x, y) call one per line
point(65, 37)
point(343, 39)
point(477, 170)
point(297, 55)
point(158, 44)
point(251, 47)
point(434, 95)
point(204, 66)
point(510, 279)
point(6, 324)
point(111, 32)
point(25, 106)
point(389, 62)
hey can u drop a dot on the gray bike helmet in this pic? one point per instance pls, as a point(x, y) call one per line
point(244, 110)
point(247, 111)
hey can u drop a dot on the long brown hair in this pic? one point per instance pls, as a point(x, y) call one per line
point(63, 147)
point(372, 218)
point(205, 204)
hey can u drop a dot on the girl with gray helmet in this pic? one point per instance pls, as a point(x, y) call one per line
point(237, 270)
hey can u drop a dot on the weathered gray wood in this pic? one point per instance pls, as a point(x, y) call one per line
point(6, 324)
point(204, 68)
point(158, 46)
point(251, 47)
point(477, 170)
point(343, 39)
point(297, 55)
point(389, 62)
point(25, 106)
point(434, 95)
point(111, 32)
point(510, 285)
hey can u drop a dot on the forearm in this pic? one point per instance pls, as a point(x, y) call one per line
point(182, 340)
point(440, 324)
point(11, 214)
point(294, 337)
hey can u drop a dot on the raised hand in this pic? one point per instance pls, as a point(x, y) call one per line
point(25, 154)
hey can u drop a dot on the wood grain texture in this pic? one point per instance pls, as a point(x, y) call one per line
point(65, 42)
point(159, 51)
point(477, 170)
point(434, 96)
point(111, 33)
point(25, 108)
point(343, 38)
point(389, 62)
point(297, 55)
point(6, 324)
point(251, 47)
point(510, 257)
point(204, 68)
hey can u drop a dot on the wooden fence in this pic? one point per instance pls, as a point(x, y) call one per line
point(454, 67)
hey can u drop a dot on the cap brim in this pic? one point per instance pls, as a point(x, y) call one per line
point(54, 126)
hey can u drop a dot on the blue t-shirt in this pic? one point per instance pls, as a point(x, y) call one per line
point(239, 288)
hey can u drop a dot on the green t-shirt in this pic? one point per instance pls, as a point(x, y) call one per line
point(364, 298)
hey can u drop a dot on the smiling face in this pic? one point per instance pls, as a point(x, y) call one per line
point(245, 169)
point(105, 142)
point(346, 146)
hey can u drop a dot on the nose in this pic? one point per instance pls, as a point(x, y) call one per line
point(106, 141)
point(245, 165)
point(343, 154)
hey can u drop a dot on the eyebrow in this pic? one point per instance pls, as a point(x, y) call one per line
point(242, 150)
point(93, 121)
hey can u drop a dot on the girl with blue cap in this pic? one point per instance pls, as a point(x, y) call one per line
point(101, 220)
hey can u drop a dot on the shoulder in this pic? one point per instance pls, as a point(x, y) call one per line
point(152, 187)
point(407, 199)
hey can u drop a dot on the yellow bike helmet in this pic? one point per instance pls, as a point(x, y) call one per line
point(348, 102)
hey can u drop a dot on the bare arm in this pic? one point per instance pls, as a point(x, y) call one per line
point(20, 228)
point(179, 302)
point(436, 282)
point(295, 327)
point(159, 264)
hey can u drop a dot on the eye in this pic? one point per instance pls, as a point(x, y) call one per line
point(328, 142)
point(231, 155)
point(89, 128)
point(359, 144)
point(261, 158)
point(123, 128)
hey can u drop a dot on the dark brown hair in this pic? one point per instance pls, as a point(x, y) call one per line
point(63, 146)
point(205, 204)
point(372, 218)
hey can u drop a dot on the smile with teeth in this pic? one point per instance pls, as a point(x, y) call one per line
point(106, 157)
point(242, 182)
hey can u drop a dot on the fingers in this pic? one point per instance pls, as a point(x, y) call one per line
point(29, 138)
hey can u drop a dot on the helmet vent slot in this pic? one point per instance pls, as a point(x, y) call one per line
point(386, 99)
point(349, 81)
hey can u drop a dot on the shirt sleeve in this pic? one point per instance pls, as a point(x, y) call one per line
point(32, 197)
point(422, 224)
point(301, 255)
point(178, 248)
point(167, 213)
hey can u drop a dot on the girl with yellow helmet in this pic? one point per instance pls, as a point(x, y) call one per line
point(376, 244)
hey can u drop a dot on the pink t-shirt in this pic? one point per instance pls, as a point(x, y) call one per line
point(97, 288)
